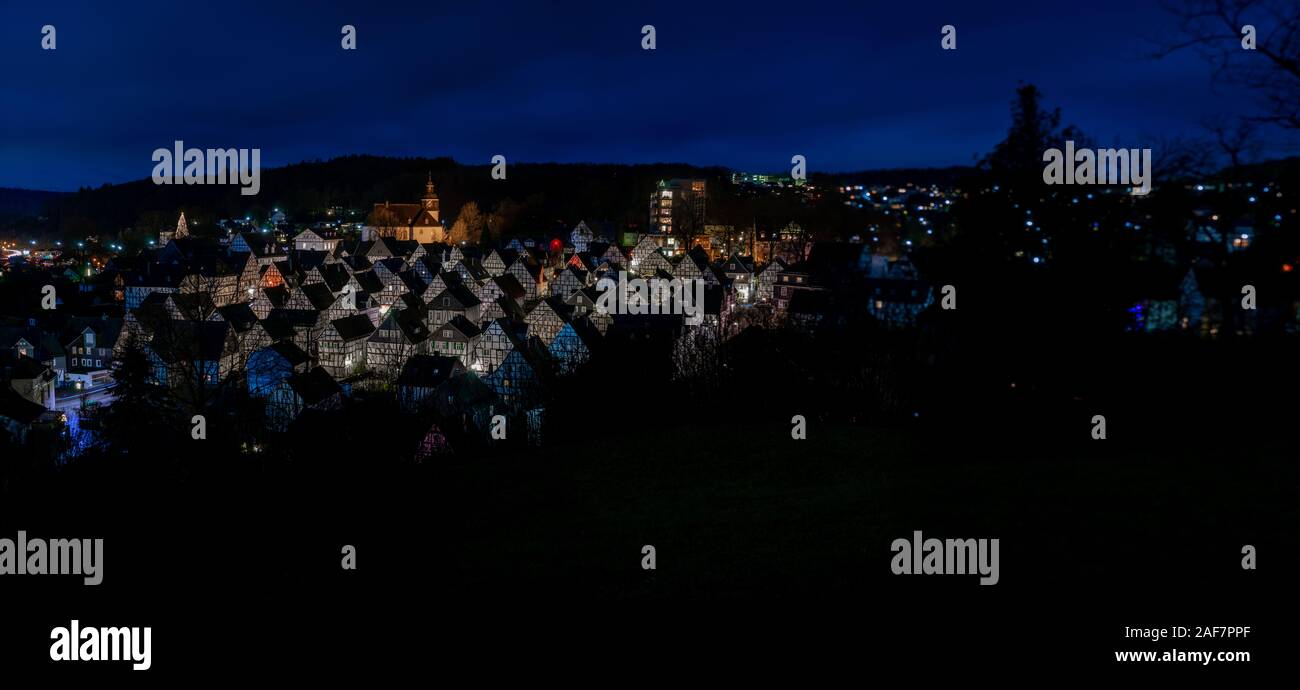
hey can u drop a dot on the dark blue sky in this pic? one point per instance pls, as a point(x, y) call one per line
point(850, 85)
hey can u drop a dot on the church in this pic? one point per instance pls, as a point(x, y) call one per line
point(421, 222)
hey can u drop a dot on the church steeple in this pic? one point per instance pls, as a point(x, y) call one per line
point(430, 200)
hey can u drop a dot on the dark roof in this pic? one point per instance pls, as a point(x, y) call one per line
point(409, 321)
point(16, 366)
point(238, 315)
point(314, 386)
point(18, 408)
point(335, 275)
point(106, 331)
point(458, 292)
point(428, 371)
point(278, 329)
point(354, 327)
point(511, 286)
point(297, 318)
point(464, 325)
point(186, 341)
point(369, 281)
point(412, 282)
point(319, 294)
point(278, 295)
point(292, 354)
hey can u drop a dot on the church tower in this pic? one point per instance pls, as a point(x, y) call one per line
point(430, 200)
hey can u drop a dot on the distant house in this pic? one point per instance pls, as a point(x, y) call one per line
point(531, 276)
point(191, 355)
point(269, 366)
point(424, 378)
point(498, 260)
point(896, 292)
point(342, 345)
point(402, 335)
point(573, 345)
point(434, 443)
point(500, 338)
point(408, 222)
point(766, 281)
point(18, 414)
point(310, 240)
point(519, 381)
point(89, 345)
point(39, 344)
point(740, 270)
point(581, 237)
point(456, 300)
point(314, 390)
point(33, 381)
point(456, 338)
point(568, 281)
point(795, 278)
point(652, 263)
point(647, 245)
point(500, 286)
point(694, 265)
point(547, 318)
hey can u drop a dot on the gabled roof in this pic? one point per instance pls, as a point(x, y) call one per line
point(507, 256)
point(334, 275)
point(409, 322)
point(428, 371)
point(406, 301)
point(355, 327)
point(239, 315)
point(278, 295)
point(562, 309)
point(460, 294)
point(16, 407)
point(106, 331)
point(187, 341)
point(462, 325)
point(510, 286)
point(511, 308)
point(291, 353)
point(357, 262)
point(412, 282)
point(16, 366)
point(475, 270)
point(196, 306)
point(278, 329)
point(314, 386)
point(319, 295)
point(369, 281)
point(743, 263)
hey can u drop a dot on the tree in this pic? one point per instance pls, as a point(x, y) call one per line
point(1017, 161)
point(139, 416)
point(469, 224)
point(1214, 28)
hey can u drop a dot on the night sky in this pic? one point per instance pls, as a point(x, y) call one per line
point(747, 85)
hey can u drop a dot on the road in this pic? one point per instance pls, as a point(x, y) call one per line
point(102, 395)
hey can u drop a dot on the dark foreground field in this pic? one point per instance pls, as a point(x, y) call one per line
point(760, 540)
